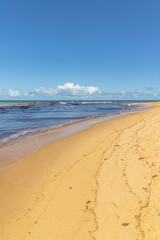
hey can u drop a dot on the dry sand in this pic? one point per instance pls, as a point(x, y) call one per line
point(101, 183)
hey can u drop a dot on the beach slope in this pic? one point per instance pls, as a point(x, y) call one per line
point(101, 183)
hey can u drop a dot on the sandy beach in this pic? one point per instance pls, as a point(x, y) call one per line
point(101, 183)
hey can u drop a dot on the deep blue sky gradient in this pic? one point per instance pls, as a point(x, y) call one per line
point(114, 44)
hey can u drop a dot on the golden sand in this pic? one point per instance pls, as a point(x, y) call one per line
point(99, 184)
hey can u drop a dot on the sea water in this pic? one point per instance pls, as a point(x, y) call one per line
point(22, 118)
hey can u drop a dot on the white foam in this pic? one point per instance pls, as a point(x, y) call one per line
point(62, 103)
point(16, 135)
point(92, 102)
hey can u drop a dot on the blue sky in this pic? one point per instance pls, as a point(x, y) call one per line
point(110, 45)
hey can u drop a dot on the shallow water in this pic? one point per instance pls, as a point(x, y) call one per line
point(19, 119)
point(25, 146)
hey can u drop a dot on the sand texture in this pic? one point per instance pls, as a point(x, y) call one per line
point(100, 184)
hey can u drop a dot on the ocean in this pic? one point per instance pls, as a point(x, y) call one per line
point(19, 119)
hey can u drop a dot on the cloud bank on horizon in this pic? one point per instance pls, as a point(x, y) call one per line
point(72, 91)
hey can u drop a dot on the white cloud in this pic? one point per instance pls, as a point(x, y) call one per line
point(43, 91)
point(71, 89)
point(66, 90)
point(75, 91)
point(13, 93)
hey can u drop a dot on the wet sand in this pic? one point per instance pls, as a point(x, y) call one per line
point(101, 183)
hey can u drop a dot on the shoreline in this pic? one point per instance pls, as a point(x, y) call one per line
point(88, 184)
point(31, 133)
point(28, 145)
